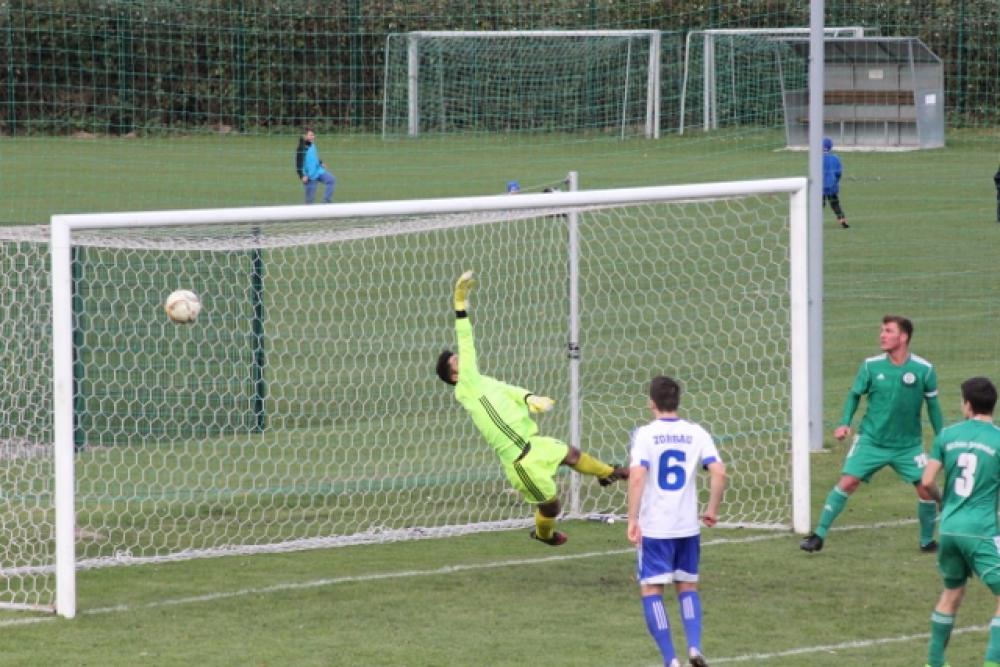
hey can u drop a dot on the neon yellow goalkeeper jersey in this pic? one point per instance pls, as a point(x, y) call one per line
point(969, 452)
point(895, 397)
point(497, 409)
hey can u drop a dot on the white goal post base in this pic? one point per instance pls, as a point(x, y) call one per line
point(301, 409)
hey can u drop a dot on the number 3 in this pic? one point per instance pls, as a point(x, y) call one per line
point(963, 484)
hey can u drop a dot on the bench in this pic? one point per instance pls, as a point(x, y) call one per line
point(840, 108)
point(869, 97)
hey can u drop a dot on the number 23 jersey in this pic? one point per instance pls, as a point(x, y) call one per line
point(671, 451)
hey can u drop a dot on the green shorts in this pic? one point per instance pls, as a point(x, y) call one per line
point(534, 474)
point(961, 556)
point(865, 459)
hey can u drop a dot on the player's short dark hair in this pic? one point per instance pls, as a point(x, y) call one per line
point(444, 367)
point(904, 324)
point(981, 395)
point(307, 129)
point(665, 393)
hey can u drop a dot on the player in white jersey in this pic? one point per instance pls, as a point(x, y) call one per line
point(663, 514)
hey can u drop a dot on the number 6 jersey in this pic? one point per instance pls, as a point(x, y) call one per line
point(671, 451)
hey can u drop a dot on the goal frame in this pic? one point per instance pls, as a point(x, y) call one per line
point(413, 38)
point(710, 83)
point(61, 246)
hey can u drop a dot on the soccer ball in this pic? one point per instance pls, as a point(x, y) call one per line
point(182, 306)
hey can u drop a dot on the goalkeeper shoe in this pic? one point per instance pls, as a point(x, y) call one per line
point(620, 472)
point(557, 539)
point(813, 542)
point(929, 548)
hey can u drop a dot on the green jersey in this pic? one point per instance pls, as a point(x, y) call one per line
point(969, 453)
point(895, 396)
point(497, 409)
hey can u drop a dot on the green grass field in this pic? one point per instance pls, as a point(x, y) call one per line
point(923, 242)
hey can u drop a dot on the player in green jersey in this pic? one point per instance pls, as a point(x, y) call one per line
point(969, 454)
point(503, 415)
point(897, 384)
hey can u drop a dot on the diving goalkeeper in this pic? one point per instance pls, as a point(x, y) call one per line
point(503, 414)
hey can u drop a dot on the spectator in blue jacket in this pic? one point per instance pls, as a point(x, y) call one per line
point(832, 171)
point(996, 182)
point(311, 170)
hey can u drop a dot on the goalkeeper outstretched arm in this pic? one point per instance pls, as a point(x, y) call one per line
point(452, 366)
point(449, 364)
point(466, 366)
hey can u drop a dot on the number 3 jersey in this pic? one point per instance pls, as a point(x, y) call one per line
point(671, 451)
point(969, 452)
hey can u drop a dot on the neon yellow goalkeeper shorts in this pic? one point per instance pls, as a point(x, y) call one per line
point(534, 474)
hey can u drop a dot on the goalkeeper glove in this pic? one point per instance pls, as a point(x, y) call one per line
point(539, 404)
point(462, 288)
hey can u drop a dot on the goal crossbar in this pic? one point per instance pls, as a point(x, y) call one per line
point(606, 197)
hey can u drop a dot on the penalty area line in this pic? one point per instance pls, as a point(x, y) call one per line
point(828, 648)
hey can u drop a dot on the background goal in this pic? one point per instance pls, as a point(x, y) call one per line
point(733, 76)
point(522, 80)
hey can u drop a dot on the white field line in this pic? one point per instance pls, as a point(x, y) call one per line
point(492, 565)
point(860, 643)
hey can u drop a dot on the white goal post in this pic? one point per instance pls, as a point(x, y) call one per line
point(706, 44)
point(301, 409)
point(510, 80)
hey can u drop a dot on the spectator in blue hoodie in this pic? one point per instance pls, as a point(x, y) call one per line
point(832, 171)
point(311, 169)
point(996, 182)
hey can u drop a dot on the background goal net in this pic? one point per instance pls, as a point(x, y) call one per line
point(736, 76)
point(446, 82)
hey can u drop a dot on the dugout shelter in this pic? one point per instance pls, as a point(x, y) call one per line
point(879, 92)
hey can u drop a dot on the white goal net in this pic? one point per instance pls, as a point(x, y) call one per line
point(736, 76)
point(301, 409)
point(448, 82)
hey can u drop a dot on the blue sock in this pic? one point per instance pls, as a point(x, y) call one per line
point(659, 626)
point(691, 615)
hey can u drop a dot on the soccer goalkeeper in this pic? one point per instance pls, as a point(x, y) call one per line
point(503, 414)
